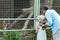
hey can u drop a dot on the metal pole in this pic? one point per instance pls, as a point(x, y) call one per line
point(36, 10)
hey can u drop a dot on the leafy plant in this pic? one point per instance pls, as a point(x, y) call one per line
point(13, 36)
point(49, 34)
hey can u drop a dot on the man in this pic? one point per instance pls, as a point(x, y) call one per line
point(53, 20)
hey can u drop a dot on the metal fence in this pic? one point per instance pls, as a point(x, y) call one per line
point(11, 12)
point(19, 11)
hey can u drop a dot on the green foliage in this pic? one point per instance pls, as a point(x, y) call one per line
point(20, 36)
point(34, 34)
point(13, 36)
point(49, 34)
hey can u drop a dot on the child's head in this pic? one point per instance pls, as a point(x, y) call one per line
point(41, 18)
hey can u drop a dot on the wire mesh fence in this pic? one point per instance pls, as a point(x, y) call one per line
point(15, 8)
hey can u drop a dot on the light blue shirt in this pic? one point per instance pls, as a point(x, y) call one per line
point(53, 20)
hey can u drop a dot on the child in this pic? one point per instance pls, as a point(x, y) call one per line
point(41, 33)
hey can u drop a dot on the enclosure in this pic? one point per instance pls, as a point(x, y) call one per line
point(18, 18)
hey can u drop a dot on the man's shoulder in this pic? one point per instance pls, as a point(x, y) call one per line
point(50, 10)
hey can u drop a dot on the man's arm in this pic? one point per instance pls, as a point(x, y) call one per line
point(49, 19)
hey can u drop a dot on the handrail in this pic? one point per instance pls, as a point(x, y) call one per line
point(16, 30)
point(20, 30)
point(18, 18)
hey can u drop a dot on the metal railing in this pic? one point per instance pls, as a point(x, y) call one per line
point(17, 30)
point(18, 18)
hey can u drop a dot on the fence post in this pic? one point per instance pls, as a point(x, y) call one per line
point(36, 10)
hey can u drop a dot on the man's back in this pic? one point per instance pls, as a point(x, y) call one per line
point(53, 19)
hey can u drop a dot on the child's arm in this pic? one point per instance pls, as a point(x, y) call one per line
point(37, 28)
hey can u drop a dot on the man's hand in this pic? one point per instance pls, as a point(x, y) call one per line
point(43, 25)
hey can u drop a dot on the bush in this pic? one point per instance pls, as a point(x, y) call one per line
point(49, 34)
point(13, 36)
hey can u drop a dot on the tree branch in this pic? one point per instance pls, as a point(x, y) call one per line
point(27, 21)
point(25, 12)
